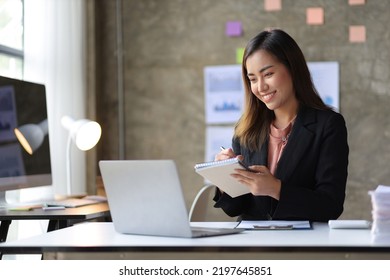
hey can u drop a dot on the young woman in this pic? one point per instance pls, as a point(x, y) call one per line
point(296, 145)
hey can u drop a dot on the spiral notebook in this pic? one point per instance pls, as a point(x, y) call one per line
point(218, 173)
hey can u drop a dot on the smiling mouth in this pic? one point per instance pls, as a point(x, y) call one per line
point(268, 96)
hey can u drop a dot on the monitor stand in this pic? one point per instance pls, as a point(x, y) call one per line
point(10, 203)
point(3, 200)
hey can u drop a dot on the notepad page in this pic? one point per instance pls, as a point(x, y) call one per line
point(219, 174)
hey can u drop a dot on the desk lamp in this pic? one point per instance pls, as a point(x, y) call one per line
point(85, 134)
point(31, 136)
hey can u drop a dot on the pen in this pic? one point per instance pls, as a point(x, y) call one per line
point(222, 148)
point(53, 208)
point(274, 227)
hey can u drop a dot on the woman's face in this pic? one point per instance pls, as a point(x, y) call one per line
point(270, 81)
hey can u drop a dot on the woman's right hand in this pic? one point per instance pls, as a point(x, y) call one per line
point(226, 154)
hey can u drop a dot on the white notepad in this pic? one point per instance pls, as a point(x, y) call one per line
point(349, 224)
point(218, 173)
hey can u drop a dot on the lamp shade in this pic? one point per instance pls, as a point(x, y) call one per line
point(84, 133)
point(31, 136)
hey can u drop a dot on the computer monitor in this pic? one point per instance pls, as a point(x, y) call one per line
point(24, 139)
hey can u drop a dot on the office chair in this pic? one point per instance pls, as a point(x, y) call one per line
point(201, 203)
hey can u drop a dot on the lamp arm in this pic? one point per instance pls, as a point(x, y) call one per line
point(68, 166)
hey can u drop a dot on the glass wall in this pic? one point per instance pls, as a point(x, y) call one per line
point(11, 38)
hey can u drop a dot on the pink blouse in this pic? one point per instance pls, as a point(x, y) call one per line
point(277, 141)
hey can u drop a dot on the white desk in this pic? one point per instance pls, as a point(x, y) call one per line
point(100, 241)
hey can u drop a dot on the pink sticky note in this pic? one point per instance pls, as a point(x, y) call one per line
point(357, 33)
point(272, 5)
point(356, 2)
point(315, 16)
point(233, 29)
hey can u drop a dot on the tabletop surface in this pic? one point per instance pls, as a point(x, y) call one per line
point(101, 236)
point(83, 212)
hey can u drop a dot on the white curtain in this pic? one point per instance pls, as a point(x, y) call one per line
point(54, 55)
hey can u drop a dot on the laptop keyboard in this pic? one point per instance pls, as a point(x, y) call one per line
point(205, 231)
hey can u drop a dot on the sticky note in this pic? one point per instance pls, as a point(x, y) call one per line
point(357, 33)
point(233, 29)
point(272, 5)
point(315, 16)
point(239, 55)
point(356, 2)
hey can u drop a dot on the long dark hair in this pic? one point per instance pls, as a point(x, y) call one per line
point(252, 129)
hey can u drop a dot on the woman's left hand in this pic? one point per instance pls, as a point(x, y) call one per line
point(260, 182)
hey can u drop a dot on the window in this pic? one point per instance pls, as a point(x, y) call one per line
point(11, 38)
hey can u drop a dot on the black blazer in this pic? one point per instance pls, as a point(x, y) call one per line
point(313, 170)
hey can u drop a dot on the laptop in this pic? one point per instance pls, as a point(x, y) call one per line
point(145, 197)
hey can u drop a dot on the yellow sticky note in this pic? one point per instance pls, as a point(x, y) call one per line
point(315, 16)
point(272, 5)
point(21, 209)
point(357, 33)
point(239, 55)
